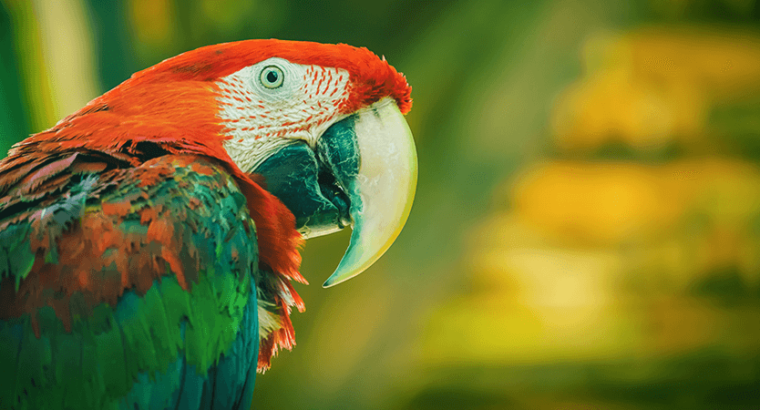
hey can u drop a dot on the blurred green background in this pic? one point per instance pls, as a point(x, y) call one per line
point(586, 233)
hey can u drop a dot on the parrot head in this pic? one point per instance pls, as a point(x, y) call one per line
point(321, 124)
point(324, 125)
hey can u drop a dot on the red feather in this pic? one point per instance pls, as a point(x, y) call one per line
point(372, 78)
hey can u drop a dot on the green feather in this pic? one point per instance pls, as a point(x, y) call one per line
point(109, 348)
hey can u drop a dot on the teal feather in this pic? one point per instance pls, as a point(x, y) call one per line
point(171, 340)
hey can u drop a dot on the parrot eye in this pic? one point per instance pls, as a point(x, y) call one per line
point(272, 77)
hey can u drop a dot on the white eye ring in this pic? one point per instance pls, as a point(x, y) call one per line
point(272, 77)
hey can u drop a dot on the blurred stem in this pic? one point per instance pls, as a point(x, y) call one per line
point(14, 121)
point(53, 48)
point(66, 43)
point(33, 78)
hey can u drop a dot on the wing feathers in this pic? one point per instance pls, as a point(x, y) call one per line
point(121, 287)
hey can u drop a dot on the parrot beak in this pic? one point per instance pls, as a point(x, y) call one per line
point(362, 172)
point(381, 190)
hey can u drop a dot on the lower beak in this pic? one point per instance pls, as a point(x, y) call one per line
point(363, 174)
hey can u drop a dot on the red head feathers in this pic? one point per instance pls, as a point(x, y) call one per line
point(371, 77)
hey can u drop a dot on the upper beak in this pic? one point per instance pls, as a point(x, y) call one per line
point(363, 174)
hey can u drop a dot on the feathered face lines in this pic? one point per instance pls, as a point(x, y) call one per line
point(275, 102)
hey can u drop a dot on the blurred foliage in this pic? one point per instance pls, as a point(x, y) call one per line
point(586, 232)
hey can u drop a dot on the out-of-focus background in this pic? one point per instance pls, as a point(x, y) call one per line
point(586, 233)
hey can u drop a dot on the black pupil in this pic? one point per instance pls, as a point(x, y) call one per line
point(272, 77)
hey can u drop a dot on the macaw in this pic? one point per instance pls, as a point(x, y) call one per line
point(148, 241)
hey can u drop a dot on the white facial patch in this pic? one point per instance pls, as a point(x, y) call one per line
point(275, 102)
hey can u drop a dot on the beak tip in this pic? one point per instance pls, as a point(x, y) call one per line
point(332, 281)
point(345, 271)
point(328, 284)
